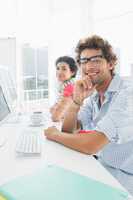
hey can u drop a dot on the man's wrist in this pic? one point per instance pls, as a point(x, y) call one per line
point(77, 103)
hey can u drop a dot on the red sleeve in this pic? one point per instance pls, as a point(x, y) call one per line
point(68, 90)
point(87, 131)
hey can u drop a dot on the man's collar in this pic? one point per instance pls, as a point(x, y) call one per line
point(114, 84)
point(113, 87)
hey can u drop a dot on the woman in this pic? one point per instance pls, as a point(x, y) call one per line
point(66, 70)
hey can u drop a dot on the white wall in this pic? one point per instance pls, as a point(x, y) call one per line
point(8, 12)
point(8, 52)
point(114, 21)
point(70, 20)
point(32, 21)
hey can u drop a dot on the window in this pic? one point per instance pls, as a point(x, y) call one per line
point(35, 72)
point(32, 46)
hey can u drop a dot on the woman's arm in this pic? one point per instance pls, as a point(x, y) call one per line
point(60, 108)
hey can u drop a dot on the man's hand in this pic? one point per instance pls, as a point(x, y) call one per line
point(83, 88)
point(51, 133)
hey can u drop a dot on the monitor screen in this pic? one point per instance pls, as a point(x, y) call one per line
point(4, 108)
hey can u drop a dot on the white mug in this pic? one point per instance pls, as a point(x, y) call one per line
point(36, 118)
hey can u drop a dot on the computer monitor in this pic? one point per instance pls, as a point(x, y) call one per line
point(8, 84)
point(4, 108)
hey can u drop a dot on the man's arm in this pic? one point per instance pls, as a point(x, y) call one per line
point(83, 89)
point(85, 143)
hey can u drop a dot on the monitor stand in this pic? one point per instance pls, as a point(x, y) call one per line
point(2, 140)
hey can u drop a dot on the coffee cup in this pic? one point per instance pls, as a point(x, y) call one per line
point(36, 118)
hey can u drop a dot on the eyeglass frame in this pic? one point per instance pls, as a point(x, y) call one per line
point(86, 60)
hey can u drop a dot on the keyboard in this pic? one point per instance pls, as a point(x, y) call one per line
point(13, 118)
point(29, 143)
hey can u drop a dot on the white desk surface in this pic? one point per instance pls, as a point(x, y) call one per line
point(12, 165)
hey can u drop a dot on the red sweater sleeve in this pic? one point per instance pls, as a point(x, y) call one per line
point(68, 90)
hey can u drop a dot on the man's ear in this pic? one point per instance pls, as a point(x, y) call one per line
point(111, 66)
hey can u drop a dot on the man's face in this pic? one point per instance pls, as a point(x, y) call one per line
point(94, 65)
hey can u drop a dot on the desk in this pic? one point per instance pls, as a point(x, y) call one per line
point(12, 165)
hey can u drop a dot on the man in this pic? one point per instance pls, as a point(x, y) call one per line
point(102, 102)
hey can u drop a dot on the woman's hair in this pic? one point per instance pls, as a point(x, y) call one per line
point(70, 61)
point(98, 43)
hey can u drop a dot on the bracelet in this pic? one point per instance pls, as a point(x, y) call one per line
point(76, 103)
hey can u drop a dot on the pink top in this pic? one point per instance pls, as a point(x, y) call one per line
point(67, 88)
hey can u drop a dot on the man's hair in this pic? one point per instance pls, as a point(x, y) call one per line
point(70, 61)
point(98, 43)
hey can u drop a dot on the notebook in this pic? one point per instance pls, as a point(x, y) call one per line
point(2, 198)
point(56, 183)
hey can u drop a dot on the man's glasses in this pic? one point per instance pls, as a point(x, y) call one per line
point(94, 60)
